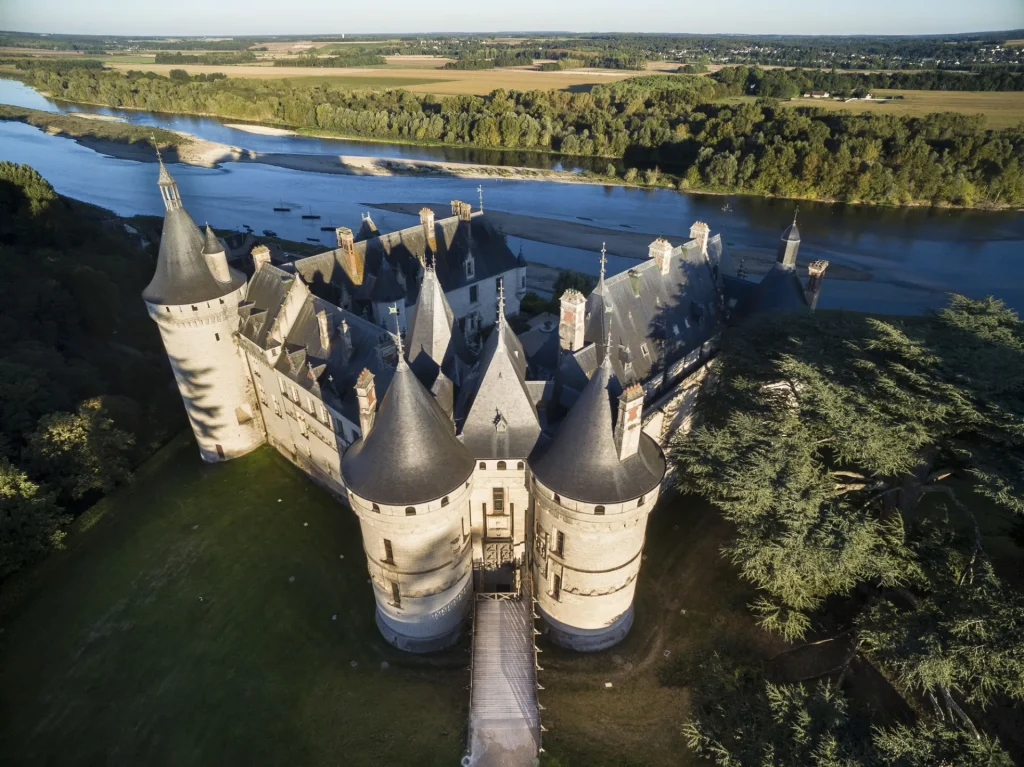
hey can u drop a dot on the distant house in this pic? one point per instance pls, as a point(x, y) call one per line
point(816, 95)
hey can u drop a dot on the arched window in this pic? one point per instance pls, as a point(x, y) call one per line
point(483, 465)
point(520, 466)
point(410, 511)
point(501, 466)
point(599, 509)
point(444, 501)
point(376, 508)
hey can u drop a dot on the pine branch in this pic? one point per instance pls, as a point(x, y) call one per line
point(959, 711)
point(948, 491)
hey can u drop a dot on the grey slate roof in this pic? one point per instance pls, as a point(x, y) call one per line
point(669, 315)
point(262, 305)
point(501, 421)
point(434, 341)
point(331, 373)
point(411, 455)
point(406, 250)
point(581, 461)
point(182, 276)
point(211, 244)
point(778, 292)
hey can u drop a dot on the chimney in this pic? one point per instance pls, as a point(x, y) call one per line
point(260, 256)
point(815, 276)
point(351, 261)
point(700, 232)
point(661, 251)
point(627, 425)
point(572, 313)
point(462, 209)
point(323, 321)
point(366, 395)
point(427, 222)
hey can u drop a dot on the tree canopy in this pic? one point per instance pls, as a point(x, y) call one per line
point(851, 454)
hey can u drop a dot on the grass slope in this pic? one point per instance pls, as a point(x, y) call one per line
point(111, 658)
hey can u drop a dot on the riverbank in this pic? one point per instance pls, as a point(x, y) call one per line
point(629, 244)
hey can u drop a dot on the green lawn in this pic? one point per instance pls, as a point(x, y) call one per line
point(170, 634)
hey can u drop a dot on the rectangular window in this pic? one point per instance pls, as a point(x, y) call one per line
point(559, 543)
point(556, 588)
point(302, 426)
point(277, 408)
point(217, 336)
point(645, 351)
point(472, 294)
point(396, 594)
point(499, 500)
point(389, 554)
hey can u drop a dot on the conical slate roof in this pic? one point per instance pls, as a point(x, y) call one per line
point(411, 454)
point(434, 338)
point(502, 420)
point(791, 234)
point(211, 244)
point(582, 462)
point(182, 276)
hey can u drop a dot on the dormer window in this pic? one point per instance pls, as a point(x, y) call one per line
point(469, 268)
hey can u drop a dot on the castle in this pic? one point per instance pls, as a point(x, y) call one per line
point(471, 465)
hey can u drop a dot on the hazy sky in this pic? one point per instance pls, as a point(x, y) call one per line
point(201, 17)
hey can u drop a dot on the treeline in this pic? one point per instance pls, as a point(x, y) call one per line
point(562, 64)
point(784, 84)
point(487, 59)
point(613, 59)
point(244, 57)
point(355, 59)
point(85, 393)
point(668, 122)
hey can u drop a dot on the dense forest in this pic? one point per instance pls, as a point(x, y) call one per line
point(872, 473)
point(85, 393)
point(784, 84)
point(667, 130)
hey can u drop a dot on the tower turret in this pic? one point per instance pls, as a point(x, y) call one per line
point(595, 484)
point(193, 297)
point(410, 481)
point(789, 245)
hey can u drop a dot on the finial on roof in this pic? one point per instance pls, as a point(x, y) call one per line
point(604, 260)
point(795, 211)
point(480, 191)
point(608, 348)
point(393, 309)
point(501, 305)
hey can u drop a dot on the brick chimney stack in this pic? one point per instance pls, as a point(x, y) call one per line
point(630, 418)
point(260, 256)
point(700, 232)
point(323, 321)
point(351, 261)
point(572, 315)
point(463, 210)
point(366, 395)
point(661, 251)
point(427, 222)
point(815, 277)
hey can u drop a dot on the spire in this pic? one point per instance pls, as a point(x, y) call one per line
point(604, 261)
point(480, 191)
point(501, 307)
point(393, 309)
point(166, 183)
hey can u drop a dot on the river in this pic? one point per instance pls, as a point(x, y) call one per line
point(914, 255)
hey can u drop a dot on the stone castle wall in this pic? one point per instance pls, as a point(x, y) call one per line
point(211, 374)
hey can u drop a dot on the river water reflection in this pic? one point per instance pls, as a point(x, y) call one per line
point(914, 255)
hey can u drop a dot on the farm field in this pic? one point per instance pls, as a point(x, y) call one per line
point(456, 82)
point(1001, 109)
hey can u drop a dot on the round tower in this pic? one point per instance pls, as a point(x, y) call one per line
point(194, 297)
point(410, 482)
point(594, 486)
